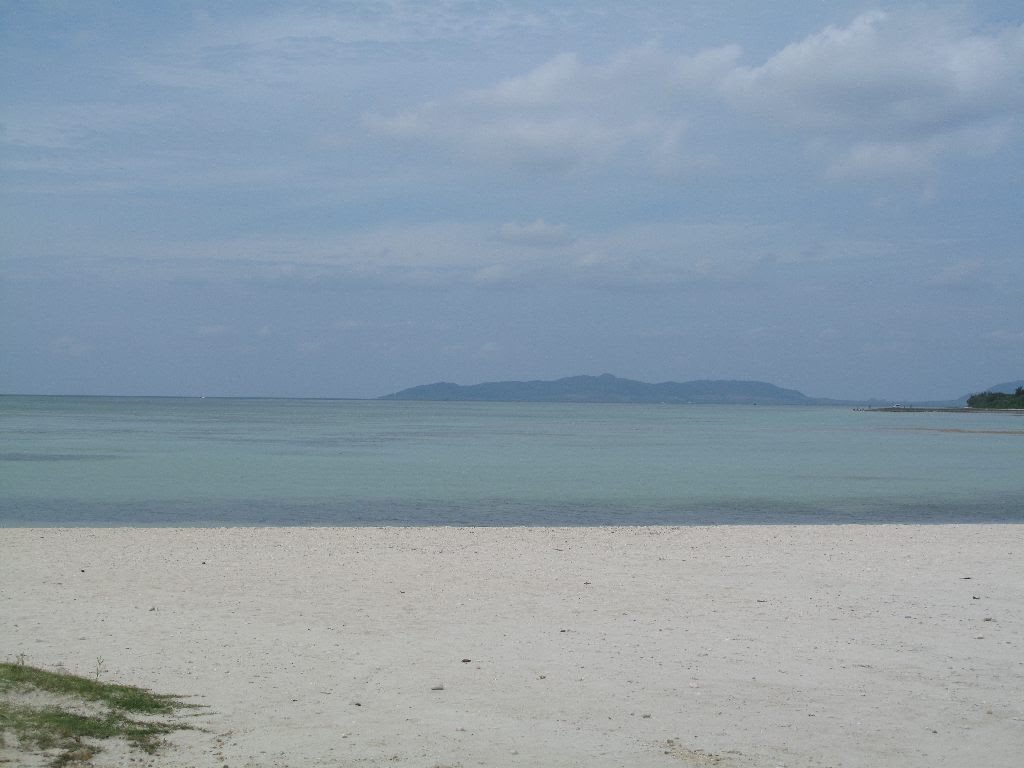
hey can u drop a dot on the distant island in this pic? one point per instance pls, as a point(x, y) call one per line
point(1000, 400)
point(607, 388)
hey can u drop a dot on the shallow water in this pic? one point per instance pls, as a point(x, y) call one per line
point(195, 462)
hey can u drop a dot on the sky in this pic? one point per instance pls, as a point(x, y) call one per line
point(346, 199)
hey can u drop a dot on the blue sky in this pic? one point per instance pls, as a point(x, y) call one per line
point(343, 200)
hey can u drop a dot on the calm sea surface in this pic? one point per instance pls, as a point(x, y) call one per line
point(84, 461)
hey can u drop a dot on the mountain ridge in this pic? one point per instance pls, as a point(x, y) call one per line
point(607, 388)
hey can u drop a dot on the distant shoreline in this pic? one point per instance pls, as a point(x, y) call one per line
point(911, 409)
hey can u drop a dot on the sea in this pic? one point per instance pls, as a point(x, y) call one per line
point(211, 462)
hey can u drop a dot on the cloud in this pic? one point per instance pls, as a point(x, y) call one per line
point(961, 275)
point(874, 159)
point(888, 94)
point(563, 115)
point(536, 233)
point(886, 73)
point(489, 349)
point(304, 49)
point(916, 156)
point(647, 255)
point(73, 125)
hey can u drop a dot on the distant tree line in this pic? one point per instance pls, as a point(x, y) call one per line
point(997, 400)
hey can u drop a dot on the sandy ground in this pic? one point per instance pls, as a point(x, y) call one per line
point(723, 646)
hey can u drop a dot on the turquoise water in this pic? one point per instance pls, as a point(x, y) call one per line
point(165, 461)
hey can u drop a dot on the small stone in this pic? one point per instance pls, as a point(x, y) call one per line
point(466, 661)
point(438, 687)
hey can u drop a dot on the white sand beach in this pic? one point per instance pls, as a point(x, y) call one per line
point(598, 647)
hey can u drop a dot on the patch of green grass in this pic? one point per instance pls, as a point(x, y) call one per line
point(52, 727)
point(56, 727)
point(123, 697)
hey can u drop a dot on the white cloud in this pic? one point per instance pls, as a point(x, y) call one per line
point(708, 68)
point(489, 349)
point(888, 94)
point(915, 156)
point(644, 255)
point(563, 115)
point(552, 84)
point(494, 275)
point(962, 274)
point(308, 49)
point(829, 334)
point(70, 125)
point(535, 233)
point(886, 73)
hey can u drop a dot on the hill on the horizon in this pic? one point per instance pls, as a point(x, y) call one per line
point(1007, 388)
point(607, 388)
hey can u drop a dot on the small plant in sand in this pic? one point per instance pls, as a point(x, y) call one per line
point(79, 712)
